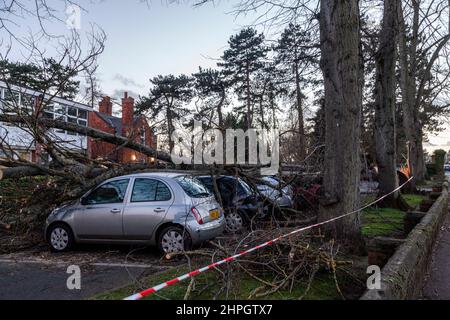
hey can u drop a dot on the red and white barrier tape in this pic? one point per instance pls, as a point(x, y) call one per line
point(147, 292)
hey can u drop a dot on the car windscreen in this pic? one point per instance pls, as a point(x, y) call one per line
point(193, 187)
point(247, 189)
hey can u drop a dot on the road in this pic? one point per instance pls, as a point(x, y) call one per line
point(41, 275)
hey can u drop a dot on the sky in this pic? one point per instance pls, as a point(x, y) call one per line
point(145, 40)
point(148, 38)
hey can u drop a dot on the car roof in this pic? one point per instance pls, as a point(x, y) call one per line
point(219, 176)
point(161, 174)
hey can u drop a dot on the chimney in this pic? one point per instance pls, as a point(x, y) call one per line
point(105, 106)
point(127, 114)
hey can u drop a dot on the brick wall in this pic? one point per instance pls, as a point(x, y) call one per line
point(100, 149)
point(130, 128)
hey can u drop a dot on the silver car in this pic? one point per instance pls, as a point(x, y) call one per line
point(276, 191)
point(170, 210)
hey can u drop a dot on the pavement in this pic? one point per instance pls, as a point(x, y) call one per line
point(41, 275)
point(437, 282)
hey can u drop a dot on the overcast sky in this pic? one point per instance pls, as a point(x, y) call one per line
point(158, 38)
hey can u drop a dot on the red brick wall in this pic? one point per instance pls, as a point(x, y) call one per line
point(100, 149)
point(128, 155)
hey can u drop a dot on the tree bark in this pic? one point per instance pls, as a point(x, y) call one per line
point(385, 139)
point(342, 71)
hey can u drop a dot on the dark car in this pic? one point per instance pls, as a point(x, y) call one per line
point(239, 201)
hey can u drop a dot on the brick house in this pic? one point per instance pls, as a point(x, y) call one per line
point(129, 125)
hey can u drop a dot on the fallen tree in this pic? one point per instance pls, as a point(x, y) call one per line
point(90, 132)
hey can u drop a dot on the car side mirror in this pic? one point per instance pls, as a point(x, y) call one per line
point(84, 201)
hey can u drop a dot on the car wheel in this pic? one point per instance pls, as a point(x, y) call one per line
point(60, 237)
point(174, 239)
point(234, 221)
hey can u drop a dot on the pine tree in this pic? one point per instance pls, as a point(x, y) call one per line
point(51, 77)
point(241, 62)
point(167, 98)
point(211, 87)
point(295, 55)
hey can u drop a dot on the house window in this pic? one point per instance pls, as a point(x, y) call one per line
point(143, 135)
point(68, 114)
point(10, 101)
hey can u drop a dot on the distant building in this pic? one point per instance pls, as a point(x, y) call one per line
point(129, 125)
point(17, 137)
point(19, 142)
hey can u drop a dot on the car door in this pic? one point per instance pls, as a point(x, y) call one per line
point(148, 204)
point(102, 210)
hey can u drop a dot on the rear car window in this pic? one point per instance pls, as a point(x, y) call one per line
point(145, 190)
point(193, 187)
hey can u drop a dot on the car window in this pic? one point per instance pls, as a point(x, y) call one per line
point(145, 190)
point(193, 187)
point(207, 182)
point(245, 189)
point(111, 192)
point(163, 192)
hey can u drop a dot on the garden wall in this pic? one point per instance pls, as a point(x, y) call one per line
point(403, 275)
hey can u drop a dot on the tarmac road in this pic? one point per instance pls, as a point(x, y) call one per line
point(43, 275)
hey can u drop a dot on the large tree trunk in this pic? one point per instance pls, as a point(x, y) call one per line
point(90, 132)
point(408, 70)
point(342, 71)
point(385, 139)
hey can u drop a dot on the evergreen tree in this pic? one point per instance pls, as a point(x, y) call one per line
point(211, 87)
point(167, 98)
point(295, 55)
point(51, 77)
point(241, 62)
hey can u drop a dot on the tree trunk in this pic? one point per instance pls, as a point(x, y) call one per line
point(301, 128)
point(408, 69)
point(385, 139)
point(342, 71)
point(170, 128)
point(249, 104)
point(90, 132)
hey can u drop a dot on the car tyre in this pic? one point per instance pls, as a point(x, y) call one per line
point(235, 221)
point(60, 237)
point(174, 239)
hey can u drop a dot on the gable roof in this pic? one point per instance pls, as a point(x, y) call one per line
point(114, 122)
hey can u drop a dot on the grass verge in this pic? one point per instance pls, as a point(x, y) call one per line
point(382, 222)
point(413, 199)
point(242, 287)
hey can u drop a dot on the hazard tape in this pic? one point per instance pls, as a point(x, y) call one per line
point(147, 292)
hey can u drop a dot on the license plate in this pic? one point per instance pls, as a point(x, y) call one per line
point(214, 214)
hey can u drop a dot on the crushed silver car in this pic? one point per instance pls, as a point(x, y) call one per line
point(170, 210)
point(276, 191)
